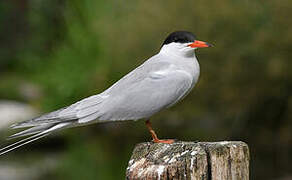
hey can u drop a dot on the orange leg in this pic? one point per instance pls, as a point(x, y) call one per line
point(154, 136)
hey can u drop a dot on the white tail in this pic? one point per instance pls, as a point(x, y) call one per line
point(32, 138)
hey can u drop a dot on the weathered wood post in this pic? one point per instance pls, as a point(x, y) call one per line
point(190, 160)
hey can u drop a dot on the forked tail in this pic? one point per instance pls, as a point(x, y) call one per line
point(35, 132)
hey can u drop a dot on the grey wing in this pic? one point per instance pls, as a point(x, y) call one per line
point(136, 99)
point(71, 113)
point(87, 109)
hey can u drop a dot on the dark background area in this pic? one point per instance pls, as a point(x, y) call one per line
point(55, 52)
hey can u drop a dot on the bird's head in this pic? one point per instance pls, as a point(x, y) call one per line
point(182, 43)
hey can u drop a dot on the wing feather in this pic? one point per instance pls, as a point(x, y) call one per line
point(131, 99)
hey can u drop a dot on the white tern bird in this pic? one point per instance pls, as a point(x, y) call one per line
point(158, 83)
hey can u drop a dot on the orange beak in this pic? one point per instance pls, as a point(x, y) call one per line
point(199, 44)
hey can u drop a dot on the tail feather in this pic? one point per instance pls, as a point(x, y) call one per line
point(49, 118)
point(31, 131)
point(41, 131)
point(21, 143)
point(86, 110)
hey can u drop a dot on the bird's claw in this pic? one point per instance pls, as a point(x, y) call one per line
point(165, 141)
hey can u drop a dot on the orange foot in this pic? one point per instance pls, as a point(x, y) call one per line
point(154, 136)
point(165, 141)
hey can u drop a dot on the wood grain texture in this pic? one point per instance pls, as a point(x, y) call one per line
point(190, 160)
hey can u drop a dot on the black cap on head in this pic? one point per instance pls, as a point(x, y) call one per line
point(180, 37)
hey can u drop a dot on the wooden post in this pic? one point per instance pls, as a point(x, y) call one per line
point(190, 160)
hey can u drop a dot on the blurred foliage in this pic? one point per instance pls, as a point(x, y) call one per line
point(73, 49)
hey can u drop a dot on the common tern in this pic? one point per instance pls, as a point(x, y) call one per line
point(158, 83)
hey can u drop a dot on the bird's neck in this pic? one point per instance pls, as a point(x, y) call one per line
point(177, 52)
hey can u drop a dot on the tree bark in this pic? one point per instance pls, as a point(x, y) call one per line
point(190, 160)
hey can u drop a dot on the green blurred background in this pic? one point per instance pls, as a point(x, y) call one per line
point(55, 52)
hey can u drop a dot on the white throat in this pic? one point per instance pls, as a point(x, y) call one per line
point(178, 49)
